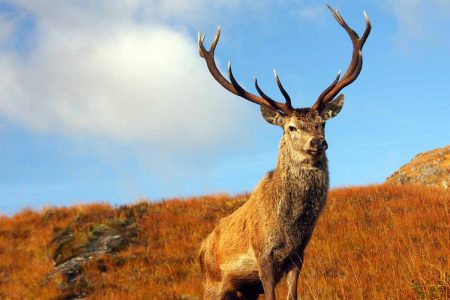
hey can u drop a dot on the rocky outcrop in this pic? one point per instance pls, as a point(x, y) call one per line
point(430, 168)
point(84, 241)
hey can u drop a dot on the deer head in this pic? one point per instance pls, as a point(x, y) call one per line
point(303, 128)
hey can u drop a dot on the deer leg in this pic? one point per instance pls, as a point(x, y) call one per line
point(292, 278)
point(269, 288)
point(266, 273)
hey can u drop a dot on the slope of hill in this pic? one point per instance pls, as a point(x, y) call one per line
point(374, 242)
point(428, 168)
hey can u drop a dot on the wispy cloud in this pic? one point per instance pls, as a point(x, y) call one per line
point(311, 11)
point(417, 19)
point(10, 21)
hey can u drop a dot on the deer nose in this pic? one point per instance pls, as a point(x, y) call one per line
point(319, 143)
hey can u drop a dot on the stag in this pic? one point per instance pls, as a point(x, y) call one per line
point(249, 251)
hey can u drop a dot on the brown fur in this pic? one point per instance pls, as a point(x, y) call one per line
point(266, 237)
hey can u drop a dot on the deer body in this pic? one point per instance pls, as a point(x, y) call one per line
point(249, 251)
point(273, 226)
point(270, 231)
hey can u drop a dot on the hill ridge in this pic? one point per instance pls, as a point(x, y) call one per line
point(430, 168)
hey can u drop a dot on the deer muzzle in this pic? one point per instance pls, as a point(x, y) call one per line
point(318, 144)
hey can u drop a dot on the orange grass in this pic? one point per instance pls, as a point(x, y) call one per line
point(374, 242)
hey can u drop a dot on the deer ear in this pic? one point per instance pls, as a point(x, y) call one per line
point(272, 116)
point(332, 108)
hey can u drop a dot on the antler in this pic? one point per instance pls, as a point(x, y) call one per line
point(355, 65)
point(234, 86)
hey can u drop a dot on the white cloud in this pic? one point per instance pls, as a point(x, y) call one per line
point(98, 73)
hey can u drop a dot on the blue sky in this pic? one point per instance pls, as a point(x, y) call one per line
point(109, 100)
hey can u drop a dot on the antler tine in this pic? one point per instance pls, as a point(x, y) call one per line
point(353, 36)
point(367, 30)
point(319, 101)
point(280, 86)
point(283, 91)
point(234, 86)
point(267, 98)
point(355, 64)
point(201, 47)
point(201, 38)
point(337, 15)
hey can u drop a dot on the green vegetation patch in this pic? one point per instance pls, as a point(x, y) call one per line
point(88, 234)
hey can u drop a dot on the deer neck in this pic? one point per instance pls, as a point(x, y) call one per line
point(291, 162)
point(301, 186)
point(298, 176)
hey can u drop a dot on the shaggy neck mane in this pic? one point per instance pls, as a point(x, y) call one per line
point(291, 161)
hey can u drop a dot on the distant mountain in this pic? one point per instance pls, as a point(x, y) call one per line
point(428, 168)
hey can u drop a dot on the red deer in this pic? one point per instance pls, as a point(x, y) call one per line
point(249, 251)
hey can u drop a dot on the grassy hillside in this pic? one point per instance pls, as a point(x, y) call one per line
point(375, 242)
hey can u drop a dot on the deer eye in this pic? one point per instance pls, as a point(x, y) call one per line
point(292, 128)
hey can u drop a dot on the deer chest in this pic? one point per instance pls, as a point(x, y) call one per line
point(301, 204)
